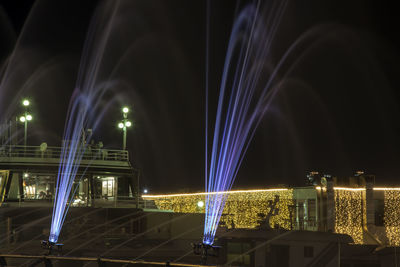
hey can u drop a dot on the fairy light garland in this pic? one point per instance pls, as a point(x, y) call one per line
point(392, 216)
point(241, 208)
point(349, 213)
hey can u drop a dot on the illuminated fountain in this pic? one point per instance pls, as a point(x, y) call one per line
point(245, 93)
point(85, 112)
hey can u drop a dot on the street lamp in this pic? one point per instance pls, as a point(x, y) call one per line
point(124, 125)
point(25, 118)
point(25, 102)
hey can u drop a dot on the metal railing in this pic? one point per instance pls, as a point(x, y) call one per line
point(100, 261)
point(98, 202)
point(55, 152)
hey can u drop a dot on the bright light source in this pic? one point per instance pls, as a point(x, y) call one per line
point(128, 124)
point(200, 204)
point(25, 102)
point(125, 110)
point(29, 117)
point(26, 175)
point(22, 119)
point(145, 191)
point(120, 125)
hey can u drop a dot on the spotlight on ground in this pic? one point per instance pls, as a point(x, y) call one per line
point(50, 246)
point(205, 250)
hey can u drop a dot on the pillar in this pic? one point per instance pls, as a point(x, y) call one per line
point(330, 205)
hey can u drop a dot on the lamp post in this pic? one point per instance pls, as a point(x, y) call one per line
point(25, 118)
point(124, 125)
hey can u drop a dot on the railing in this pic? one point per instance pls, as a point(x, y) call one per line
point(98, 202)
point(55, 153)
point(46, 259)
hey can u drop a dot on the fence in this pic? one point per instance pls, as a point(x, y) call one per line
point(88, 153)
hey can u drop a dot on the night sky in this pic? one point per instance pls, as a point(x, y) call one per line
point(337, 111)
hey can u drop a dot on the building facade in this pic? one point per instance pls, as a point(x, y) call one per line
point(354, 206)
point(28, 176)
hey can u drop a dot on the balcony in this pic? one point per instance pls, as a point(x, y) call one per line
point(18, 156)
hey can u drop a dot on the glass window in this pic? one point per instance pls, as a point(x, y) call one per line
point(107, 189)
point(311, 212)
point(38, 186)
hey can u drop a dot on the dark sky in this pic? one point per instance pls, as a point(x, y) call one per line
point(337, 112)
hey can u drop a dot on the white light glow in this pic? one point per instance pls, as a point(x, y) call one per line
point(200, 204)
point(25, 102)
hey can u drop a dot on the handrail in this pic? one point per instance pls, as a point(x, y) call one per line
point(49, 257)
point(52, 152)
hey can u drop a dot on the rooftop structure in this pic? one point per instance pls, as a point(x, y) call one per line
point(369, 214)
point(29, 173)
point(353, 206)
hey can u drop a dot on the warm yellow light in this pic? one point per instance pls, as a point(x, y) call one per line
point(200, 204)
point(214, 193)
point(387, 188)
point(242, 207)
point(349, 188)
point(349, 213)
point(391, 216)
point(25, 102)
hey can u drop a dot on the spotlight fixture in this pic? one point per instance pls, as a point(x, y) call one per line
point(49, 246)
point(205, 250)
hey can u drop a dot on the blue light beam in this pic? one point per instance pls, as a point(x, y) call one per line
point(86, 110)
point(241, 108)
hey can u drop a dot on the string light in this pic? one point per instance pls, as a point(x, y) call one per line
point(214, 193)
point(386, 188)
point(349, 213)
point(349, 189)
point(241, 209)
point(392, 216)
point(243, 206)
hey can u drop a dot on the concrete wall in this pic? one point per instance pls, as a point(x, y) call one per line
point(174, 224)
point(296, 253)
